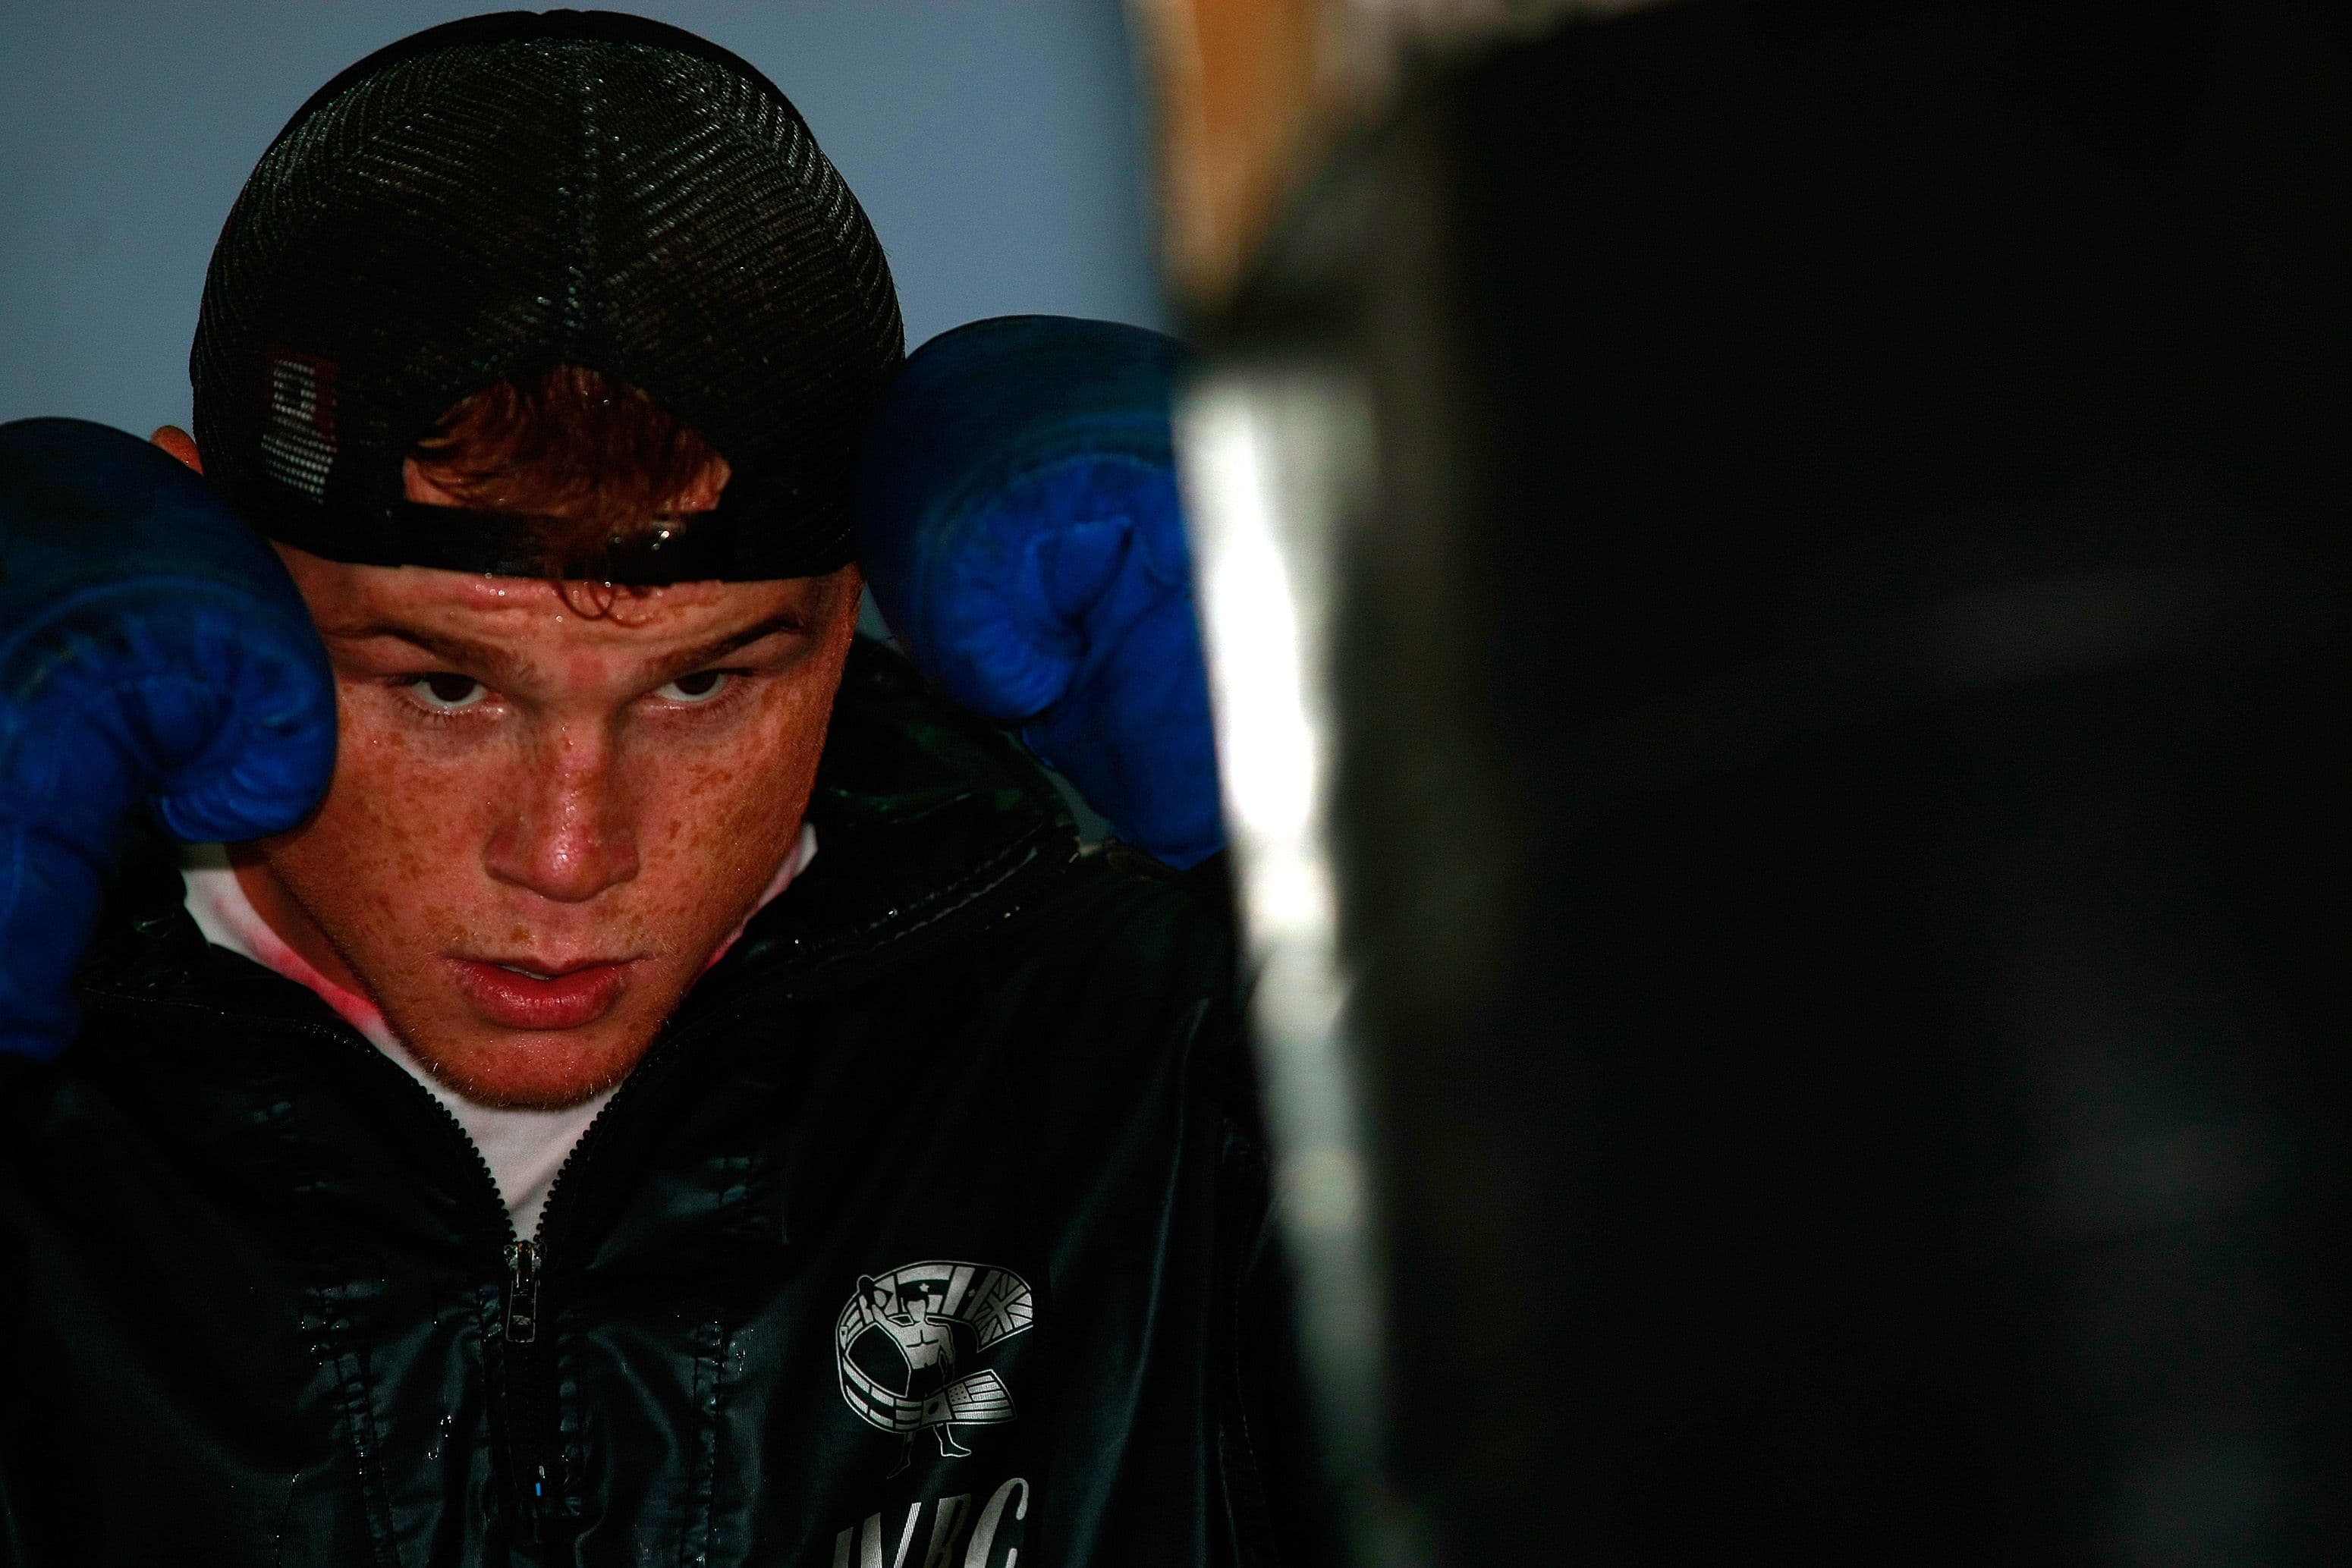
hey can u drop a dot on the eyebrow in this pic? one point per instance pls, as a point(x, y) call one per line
point(474, 654)
point(694, 658)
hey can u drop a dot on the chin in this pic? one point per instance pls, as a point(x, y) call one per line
point(538, 1070)
point(501, 1039)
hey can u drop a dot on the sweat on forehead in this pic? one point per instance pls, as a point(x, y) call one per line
point(431, 588)
point(349, 601)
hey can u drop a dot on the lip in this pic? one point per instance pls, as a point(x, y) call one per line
point(573, 995)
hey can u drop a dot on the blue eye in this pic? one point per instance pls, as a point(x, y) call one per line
point(699, 688)
point(445, 692)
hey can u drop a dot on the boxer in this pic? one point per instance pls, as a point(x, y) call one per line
point(565, 994)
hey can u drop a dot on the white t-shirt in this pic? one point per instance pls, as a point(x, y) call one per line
point(525, 1148)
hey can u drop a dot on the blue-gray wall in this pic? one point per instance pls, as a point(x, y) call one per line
point(997, 145)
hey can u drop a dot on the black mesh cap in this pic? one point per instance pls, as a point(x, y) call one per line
point(495, 197)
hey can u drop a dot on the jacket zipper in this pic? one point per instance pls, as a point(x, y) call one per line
point(535, 1427)
point(534, 1412)
point(522, 1295)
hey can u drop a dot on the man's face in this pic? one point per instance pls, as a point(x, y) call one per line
point(542, 822)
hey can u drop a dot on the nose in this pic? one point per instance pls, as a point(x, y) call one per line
point(567, 832)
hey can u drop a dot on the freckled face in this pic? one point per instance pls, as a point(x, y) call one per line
point(542, 823)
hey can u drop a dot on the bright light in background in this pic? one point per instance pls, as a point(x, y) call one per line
point(1273, 460)
point(1252, 609)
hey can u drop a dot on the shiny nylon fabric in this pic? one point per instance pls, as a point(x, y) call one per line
point(510, 192)
point(247, 1261)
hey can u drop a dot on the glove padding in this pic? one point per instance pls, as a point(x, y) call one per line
point(151, 647)
point(1020, 528)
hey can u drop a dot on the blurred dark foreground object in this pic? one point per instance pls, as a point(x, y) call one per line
point(1837, 653)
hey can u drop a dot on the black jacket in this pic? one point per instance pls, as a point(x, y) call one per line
point(953, 1151)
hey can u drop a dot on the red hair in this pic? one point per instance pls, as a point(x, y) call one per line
point(598, 464)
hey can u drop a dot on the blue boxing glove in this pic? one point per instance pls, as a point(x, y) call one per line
point(152, 649)
point(1019, 525)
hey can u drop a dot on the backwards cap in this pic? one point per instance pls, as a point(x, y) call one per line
point(491, 198)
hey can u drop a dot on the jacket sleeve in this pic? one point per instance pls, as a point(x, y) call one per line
point(1183, 1442)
